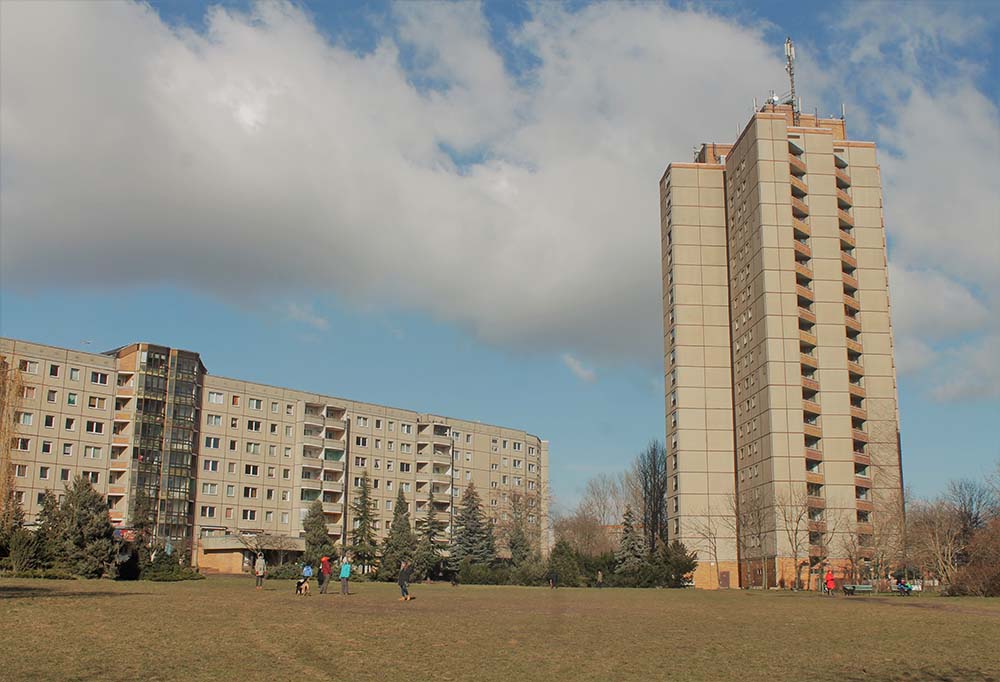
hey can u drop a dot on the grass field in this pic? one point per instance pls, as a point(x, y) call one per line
point(221, 629)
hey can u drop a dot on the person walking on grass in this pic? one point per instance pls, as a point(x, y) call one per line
point(260, 570)
point(600, 578)
point(325, 573)
point(405, 571)
point(345, 576)
point(829, 582)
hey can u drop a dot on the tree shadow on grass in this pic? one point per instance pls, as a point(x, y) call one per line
point(40, 592)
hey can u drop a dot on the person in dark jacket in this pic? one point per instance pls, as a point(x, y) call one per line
point(405, 571)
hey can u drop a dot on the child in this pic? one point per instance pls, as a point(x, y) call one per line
point(405, 571)
point(302, 586)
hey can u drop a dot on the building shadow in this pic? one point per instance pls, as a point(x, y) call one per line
point(42, 592)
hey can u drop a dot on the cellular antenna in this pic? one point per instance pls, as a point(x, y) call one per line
point(790, 68)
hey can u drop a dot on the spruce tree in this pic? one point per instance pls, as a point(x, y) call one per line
point(50, 530)
point(144, 524)
point(364, 547)
point(317, 538)
point(400, 543)
point(517, 535)
point(473, 532)
point(429, 532)
point(89, 535)
point(631, 555)
point(11, 520)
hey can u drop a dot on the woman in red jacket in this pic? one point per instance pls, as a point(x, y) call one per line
point(830, 583)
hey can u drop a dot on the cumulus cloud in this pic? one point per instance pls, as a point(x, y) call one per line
point(582, 372)
point(305, 314)
point(258, 158)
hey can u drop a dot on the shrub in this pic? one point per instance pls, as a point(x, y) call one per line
point(167, 568)
point(289, 571)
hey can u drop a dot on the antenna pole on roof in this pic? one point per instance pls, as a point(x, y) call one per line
point(790, 68)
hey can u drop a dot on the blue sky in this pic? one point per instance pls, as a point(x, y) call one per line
point(453, 208)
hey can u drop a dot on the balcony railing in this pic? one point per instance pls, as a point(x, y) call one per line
point(796, 165)
point(843, 199)
point(852, 323)
point(803, 270)
point(799, 188)
point(852, 302)
point(811, 406)
point(799, 208)
point(845, 218)
point(801, 227)
point(804, 292)
point(811, 384)
point(807, 315)
point(843, 179)
point(803, 249)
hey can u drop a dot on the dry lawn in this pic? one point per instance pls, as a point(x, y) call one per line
point(221, 629)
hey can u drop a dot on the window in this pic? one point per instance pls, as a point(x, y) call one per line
point(357, 481)
point(235, 401)
point(388, 486)
point(361, 441)
point(74, 374)
point(93, 476)
point(284, 517)
point(215, 397)
point(229, 512)
point(361, 421)
point(388, 505)
point(251, 469)
point(46, 447)
point(53, 370)
point(271, 472)
point(68, 449)
point(405, 487)
point(255, 403)
point(214, 420)
point(95, 427)
point(378, 423)
point(360, 461)
point(210, 464)
point(390, 425)
point(212, 442)
point(272, 450)
point(230, 491)
point(285, 496)
point(52, 396)
point(249, 491)
point(377, 464)
point(253, 448)
point(405, 447)
point(274, 429)
point(406, 428)
point(249, 514)
point(71, 398)
point(288, 408)
point(24, 418)
point(517, 447)
point(91, 452)
point(21, 470)
point(286, 473)
point(28, 392)
point(209, 488)
point(234, 422)
point(99, 378)
point(253, 425)
point(268, 516)
point(70, 424)
point(390, 445)
point(64, 474)
point(288, 432)
point(207, 511)
point(232, 445)
point(270, 494)
point(389, 464)
point(29, 366)
point(404, 467)
point(504, 443)
point(96, 403)
point(378, 443)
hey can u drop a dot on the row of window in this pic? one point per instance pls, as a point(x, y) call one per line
point(49, 422)
point(44, 472)
point(94, 402)
point(209, 512)
point(89, 451)
point(31, 367)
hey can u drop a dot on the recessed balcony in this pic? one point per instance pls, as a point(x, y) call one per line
point(843, 179)
point(847, 239)
point(805, 293)
point(850, 281)
point(801, 228)
point(843, 199)
point(855, 368)
point(807, 315)
point(857, 391)
point(851, 323)
point(808, 360)
point(810, 384)
point(803, 270)
point(803, 249)
point(796, 165)
point(813, 431)
point(858, 413)
point(800, 209)
point(811, 406)
point(852, 303)
point(844, 218)
point(849, 260)
point(799, 188)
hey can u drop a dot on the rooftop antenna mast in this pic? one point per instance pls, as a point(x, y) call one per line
point(790, 68)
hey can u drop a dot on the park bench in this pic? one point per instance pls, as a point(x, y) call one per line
point(851, 590)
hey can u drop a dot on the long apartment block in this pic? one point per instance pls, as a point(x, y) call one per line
point(227, 459)
point(778, 351)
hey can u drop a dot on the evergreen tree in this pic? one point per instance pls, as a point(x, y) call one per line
point(676, 564)
point(400, 543)
point(429, 531)
point(473, 532)
point(11, 520)
point(50, 530)
point(517, 535)
point(564, 564)
point(631, 555)
point(89, 535)
point(317, 538)
point(364, 547)
point(144, 524)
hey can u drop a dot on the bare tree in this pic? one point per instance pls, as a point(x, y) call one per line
point(975, 503)
point(651, 471)
point(708, 529)
point(263, 542)
point(885, 544)
point(583, 532)
point(604, 498)
point(11, 397)
point(793, 512)
point(748, 521)
point(935, 536)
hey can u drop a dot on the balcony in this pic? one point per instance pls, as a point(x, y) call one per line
point(799, 208)
point(799, 188)
point(864, 505)
point(852, 323)
point(850, 281)
point(844, 218)
point(811, 406)
point(852, 303)
point(855, 368)
point(333, 485)
point(847, 239)
point(814, 432)
point(848, 259)
point(859, 413)
point(843, 179)
point(857, 391)
point(807, 315)
point(862, 458)
point(808, 360)
point(803, 249)
point(853, 346)
point(313, 440)
point(803, 270)
point(333, 507)
point(335, 443)
point(795, 165)
point(334, 529)
point(116, 490)
point(801, 228)
point(814, 478)
point(843, 199)
point(810, 384)
point(805, 293)
point(807, 338)
point(813, 453)
point(333, 464)
point(313, 417)
point(859, 435)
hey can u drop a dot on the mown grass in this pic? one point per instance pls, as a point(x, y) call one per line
point(221, 629)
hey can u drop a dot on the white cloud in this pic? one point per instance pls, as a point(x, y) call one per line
point(260, 160)
point(305, 314)
point(582, 373)
point(970, 372)
point(929, 305)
